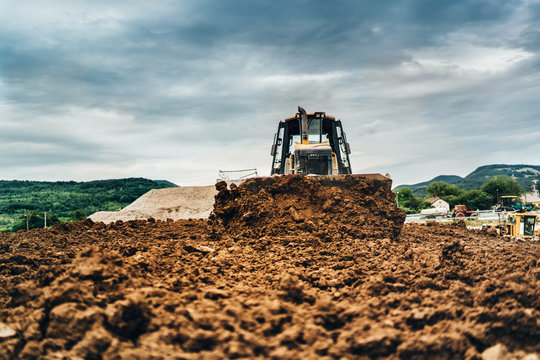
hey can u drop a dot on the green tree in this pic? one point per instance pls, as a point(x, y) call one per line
point(475, 199)
point(63, 198)
point(442, 189)
point(448, 192)
point(408, 202)
point(501, 185)
point(78, 214)
point(452, 200)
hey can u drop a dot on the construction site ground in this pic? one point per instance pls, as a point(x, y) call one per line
point(294, 271)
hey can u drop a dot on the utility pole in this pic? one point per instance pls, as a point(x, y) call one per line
point(26, 221)
point(45, 219)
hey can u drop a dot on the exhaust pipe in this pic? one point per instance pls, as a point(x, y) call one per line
point(304, 125)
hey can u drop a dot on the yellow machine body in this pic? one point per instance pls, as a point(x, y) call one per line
point(521, 225)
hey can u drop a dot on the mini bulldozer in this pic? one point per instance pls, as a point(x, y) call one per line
point(522, 225)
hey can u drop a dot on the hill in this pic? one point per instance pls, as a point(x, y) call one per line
point(420, 188)
point(63, 198)
point(165, 182)
point(524, 174)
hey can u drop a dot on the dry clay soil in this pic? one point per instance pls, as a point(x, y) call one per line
point(294, 271)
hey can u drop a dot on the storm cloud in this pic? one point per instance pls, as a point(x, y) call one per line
point(179, 89)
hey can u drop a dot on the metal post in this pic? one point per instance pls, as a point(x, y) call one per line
point(45, 219)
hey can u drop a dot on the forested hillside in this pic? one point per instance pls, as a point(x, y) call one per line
point(419, 189)
point(70, 199)
point(524, 175)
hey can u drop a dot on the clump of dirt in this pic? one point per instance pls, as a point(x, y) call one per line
point(234, 288)
point(357, 208)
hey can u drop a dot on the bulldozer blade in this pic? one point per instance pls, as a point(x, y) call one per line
point(380, 181)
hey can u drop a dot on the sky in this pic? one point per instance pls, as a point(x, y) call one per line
point(178, 90)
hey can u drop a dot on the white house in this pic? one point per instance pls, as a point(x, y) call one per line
point(532, 197)
point(437, 203)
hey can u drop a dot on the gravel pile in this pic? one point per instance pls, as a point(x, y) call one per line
point(189, 202)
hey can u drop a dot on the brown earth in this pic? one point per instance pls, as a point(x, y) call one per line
point(260, 280)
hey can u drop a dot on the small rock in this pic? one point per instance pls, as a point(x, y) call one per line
point(6, 331)
point(496, 352)
point(215, 294)
point(222, 185)
point(294, 214)
point(206, 249)
point(199, 248)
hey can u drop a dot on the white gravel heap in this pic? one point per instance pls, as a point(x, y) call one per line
point(195, 202)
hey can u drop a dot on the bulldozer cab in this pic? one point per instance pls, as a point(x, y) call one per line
point(325, 151)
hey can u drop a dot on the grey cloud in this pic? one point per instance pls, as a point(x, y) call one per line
point(457, 13)
point(222, 74)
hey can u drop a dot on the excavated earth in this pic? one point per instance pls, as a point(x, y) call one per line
point(294, 270)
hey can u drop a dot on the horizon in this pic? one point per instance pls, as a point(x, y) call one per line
point(394, 184)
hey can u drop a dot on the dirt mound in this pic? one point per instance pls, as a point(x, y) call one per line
point(356, 208)
point(174, 203)
point(231, 287)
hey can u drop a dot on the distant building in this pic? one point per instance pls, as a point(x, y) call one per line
point(532, 197)
point(438, 203)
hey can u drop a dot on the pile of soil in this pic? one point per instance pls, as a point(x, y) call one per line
point(230, 287)
point(355, 208)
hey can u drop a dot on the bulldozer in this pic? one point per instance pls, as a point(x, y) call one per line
point(310, 144)
point(522, 225)
point(312, 183)
point(315, 144)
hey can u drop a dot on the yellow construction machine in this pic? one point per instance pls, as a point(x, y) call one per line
point(310, 144)
point(315, 144)
point(522, 225)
